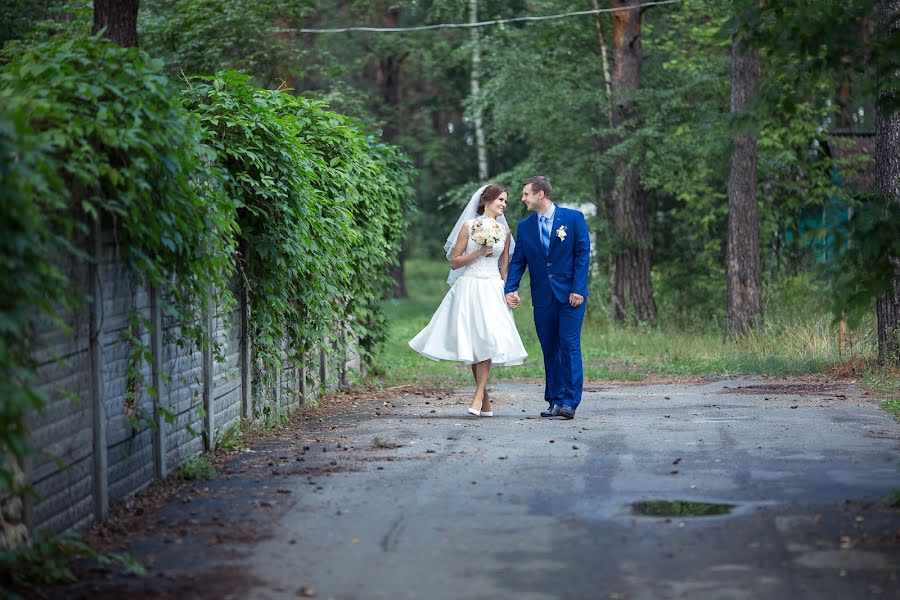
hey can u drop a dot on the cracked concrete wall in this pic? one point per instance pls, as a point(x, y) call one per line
point(84, 461)
point(13, 529)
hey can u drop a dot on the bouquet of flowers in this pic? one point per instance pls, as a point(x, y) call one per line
point(487, 231)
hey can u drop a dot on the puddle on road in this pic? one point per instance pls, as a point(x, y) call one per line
point(679, 508)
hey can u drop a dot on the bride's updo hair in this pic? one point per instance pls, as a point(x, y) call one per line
point(490, 193)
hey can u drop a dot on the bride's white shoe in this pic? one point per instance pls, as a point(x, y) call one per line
point(487, 413)
point(473, 412)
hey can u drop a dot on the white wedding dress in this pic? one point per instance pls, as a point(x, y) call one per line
point(473, 323)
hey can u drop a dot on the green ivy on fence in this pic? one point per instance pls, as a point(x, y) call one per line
point(92, 131)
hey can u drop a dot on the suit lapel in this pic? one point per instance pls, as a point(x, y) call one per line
point(557, 223)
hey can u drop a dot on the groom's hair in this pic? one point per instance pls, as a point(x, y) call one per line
point(490, 193)
point(539, 183)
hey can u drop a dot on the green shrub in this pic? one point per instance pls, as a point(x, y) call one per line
point(321, 210)
point(195, 468)
point(92, 131)
point(49, 560)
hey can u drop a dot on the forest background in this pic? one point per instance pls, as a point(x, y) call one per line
point(632, 119)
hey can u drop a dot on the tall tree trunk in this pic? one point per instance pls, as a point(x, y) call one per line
point(887, 182)
point(607, 80)
point(387, 76)
point(743, 261)
point(119, 17)
point(842, 120)
point(480, 146)
point(632, 288)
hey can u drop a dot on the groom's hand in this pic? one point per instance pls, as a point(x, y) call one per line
point(512, 299)
point(576, 300)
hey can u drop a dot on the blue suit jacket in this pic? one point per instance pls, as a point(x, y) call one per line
point(564, 270)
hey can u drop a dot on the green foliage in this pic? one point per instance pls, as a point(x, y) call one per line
point(320, 208)
point(892, 500)
point(680, 130)
point(96, 132)
point(292, 240)
point(422, 114)
point(230, 439)
point(893, 407)
point(544, 100)
point(93, 131)
point(384, 442)
point(195, 468)
point(205, 36)
point(865, 267)
point(50, 559)
point(19, 16)
point(24, 24)
point(351, 169)
point(124, 148)
point(812, 41)
point(29, 278)
point(797, 336)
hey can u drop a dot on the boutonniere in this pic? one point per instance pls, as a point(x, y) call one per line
point(561, 233)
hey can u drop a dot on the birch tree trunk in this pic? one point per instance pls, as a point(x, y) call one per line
point(475, 87)
point(743, 259)
point(604, 59)
point(887, 182)
point(632, 288)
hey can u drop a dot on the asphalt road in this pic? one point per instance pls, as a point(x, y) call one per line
point(516, 506)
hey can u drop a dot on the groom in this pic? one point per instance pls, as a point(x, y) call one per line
point(553, 244)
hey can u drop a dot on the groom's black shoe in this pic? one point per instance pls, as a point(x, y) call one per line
point(553, 411)
point(566, 412)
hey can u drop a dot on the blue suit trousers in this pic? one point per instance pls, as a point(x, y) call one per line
point(559, 331)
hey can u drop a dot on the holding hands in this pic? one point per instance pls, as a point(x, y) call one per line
point(512, 300)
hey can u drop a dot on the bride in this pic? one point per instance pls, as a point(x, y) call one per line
point(473, 324)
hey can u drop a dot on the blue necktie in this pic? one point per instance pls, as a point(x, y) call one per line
point(545, 234)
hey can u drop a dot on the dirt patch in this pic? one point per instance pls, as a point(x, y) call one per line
point(835, 390)
point(168, 586)
point(238, 507)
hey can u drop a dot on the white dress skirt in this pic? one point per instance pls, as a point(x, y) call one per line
point(473, 323)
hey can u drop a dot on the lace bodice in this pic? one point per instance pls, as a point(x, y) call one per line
point(485, 266)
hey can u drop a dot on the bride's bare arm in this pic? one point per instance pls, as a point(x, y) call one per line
point(459, 260)
point(504, 258)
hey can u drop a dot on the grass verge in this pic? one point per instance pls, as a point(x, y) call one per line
point(791, 341)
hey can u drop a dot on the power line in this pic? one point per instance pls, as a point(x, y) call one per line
point(476, 24)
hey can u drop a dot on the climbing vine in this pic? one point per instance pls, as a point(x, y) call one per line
point(219, 179)
point(374, 182)
point(320, 208)
point(96, 132)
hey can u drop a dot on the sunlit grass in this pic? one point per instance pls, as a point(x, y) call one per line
point(791, 341)
point(886, 382)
